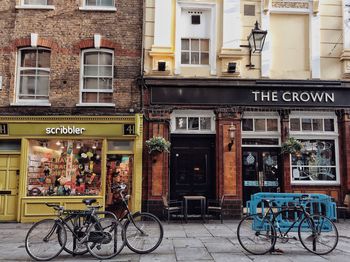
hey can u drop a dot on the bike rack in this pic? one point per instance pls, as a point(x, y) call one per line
point(318, 204)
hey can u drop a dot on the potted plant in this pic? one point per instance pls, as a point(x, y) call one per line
point(291, 146)
point(157, 144)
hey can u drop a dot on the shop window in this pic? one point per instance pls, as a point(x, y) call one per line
point(247, 125)
point(315, 162)
point(64, 168)
point(33, 75)
point(97, 77)
point(119, 170)
point(294, 124)
point(194, 51)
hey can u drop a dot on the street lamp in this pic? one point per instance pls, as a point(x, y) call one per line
point(256, 41)
point(231, 133)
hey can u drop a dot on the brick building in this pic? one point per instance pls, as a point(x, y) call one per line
point(227, 108)
point(68, 84)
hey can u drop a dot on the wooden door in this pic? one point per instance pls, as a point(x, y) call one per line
point(9, 178)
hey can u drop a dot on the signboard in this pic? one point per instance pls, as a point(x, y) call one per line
point(129, 129)
point(3, 129)
point(252, 95)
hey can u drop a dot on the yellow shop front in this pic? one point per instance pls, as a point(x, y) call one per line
point(66, 159)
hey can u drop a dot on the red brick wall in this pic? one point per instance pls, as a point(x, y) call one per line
point(67, 30)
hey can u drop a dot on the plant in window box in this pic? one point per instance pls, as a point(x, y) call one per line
point(157, 144)
point(291, 146)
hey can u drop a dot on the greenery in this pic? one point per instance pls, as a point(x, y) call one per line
point(291, 146)
point(158, 144)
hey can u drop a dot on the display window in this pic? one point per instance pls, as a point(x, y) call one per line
point(119, 170)
point(315, 162)
point(64, 168)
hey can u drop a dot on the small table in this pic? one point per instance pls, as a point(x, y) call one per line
point(202, 199)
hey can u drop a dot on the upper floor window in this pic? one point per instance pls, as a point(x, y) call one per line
point(194, 51)
point(99, 3)
point(33, 74)
point(97, 76)
point(37, 2)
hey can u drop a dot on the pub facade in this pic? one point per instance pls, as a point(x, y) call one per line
point(227, 110)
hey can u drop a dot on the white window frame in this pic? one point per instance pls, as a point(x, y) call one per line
point(211, 7)
point(262, 134)
point(199, 51)
point(85, 7)
point(81, 81)
point(311, 135)
point(192, 113)
point(22, 5)
point(29, 102)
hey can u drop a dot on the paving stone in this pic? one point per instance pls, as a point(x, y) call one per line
point(230, 257)
point(192, 253)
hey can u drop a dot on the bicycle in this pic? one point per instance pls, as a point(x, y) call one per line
point(143, 232)
point(258, 233)
point(47, 238)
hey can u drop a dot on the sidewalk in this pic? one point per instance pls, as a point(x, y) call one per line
point(187, 242)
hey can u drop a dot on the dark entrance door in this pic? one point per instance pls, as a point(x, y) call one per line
point(261, 170)
point(192, 166)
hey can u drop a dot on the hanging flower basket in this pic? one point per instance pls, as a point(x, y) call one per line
point(157, 144)
point(291, 146)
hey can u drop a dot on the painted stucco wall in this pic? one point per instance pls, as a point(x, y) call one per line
point(321, 40)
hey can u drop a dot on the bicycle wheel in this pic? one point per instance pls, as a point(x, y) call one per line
point(105, 238)
point(144, 233)
point(42, 241)
point(318, 234)
point(256, 234)
point(76, 223)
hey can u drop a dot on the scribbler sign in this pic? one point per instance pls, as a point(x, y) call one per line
point(63, 130)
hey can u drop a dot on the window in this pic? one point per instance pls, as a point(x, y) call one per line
point(317, 162)
point(311, 124)
point(193, 122)
point(37, 2)
point(100, 3)
point(33, 74)
point(64, 168)
point(260, 129)
point(260, 124)
point(194, 51)
point(97, 77)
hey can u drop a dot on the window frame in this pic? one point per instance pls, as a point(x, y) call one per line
point(85, 7)
point(319, 135)
point(196, 114)
point(261, 134)
point(199, 51)
point(36, 102)
point(22, 5)
point(81, 78)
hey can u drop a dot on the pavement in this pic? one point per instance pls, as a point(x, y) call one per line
point(194, 241)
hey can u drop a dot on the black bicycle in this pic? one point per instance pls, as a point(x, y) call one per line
point(258, 233)
point(102, 237)
point(143, 232)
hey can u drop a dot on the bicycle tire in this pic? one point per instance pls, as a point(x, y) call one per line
point(259, 231)
point(149, 224)
point(318, 234)
point(44, 236)
point(105, 238)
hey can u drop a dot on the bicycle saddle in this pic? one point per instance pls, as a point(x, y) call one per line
point(89, 201)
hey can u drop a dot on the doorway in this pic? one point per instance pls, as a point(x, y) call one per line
point(192, 166)
point(9, 178)
point(261, 171)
